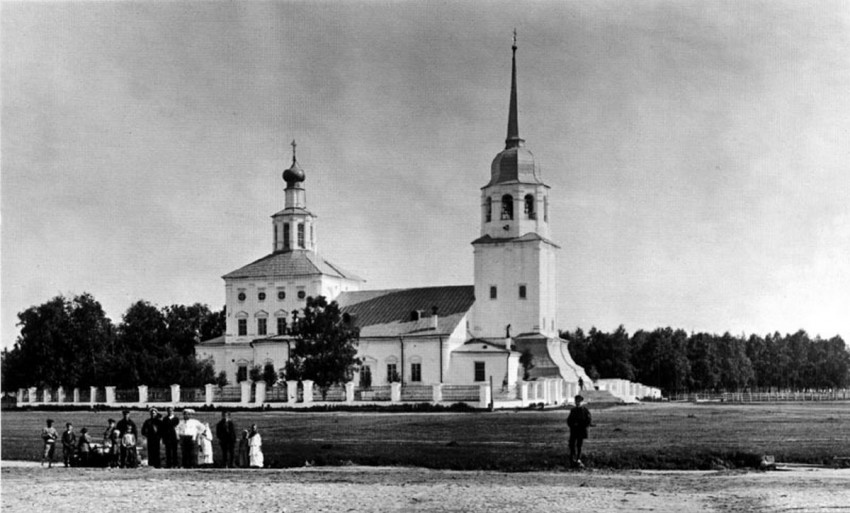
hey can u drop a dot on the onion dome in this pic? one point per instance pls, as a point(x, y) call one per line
point(294, 175)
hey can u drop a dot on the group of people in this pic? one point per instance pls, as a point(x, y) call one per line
point(119, 445)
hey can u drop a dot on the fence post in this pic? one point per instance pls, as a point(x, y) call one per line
point(308, 390)
point(60, 395)
point(484, 396)
point(292, 391)
point(260, 393)
point(45, 395)
point(93, 395)
point(175, 393)
point(76, 395)
point(110, 395)
point(20, 397)
point(349, 392)
point(209, 391)
point(395, 392)
point(523, 393)
point(246, 392)
point(143, 394)
point(437, 393)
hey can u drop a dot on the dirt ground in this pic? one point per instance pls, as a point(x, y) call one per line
point(28, 487)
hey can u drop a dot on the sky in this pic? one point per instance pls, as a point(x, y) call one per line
point(697, 151)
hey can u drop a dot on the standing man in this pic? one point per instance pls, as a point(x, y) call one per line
point(128, 435)
point(151, 431)
point(225, 431)
point(169, 437)
point(69, 444)
point(49, 435)
point(578, 421)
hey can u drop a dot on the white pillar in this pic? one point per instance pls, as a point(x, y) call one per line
point(33, 394)
point(143, 394)
point(308, 390)
point(395, 392)
point(92, 395)
point(484, 396)
point(437, 393)
point(175, 393)
point(110, 395)
point(349, 392)
point(45, 395)
point(60, 395)
point(209, 393)
point(292, 391)
point(246, 392)
point(260, 393)
point(523, 392)
point(20, 396)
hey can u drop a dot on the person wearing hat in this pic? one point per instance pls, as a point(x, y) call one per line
point(168, 435)
point(578, 422)
point(128, 434)
point(151, 431)
point(189, 430)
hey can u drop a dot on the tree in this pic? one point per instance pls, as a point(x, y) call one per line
point(269, 374)
point(526, 359)
point(221, 380)
point(325, 345)
point(256, 373)
point(188, 325)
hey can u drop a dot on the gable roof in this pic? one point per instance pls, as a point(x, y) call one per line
point(286, 264)
point(387, 313)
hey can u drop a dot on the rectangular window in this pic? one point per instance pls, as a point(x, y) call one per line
point(493, 292)
point(480, 374)
point(243, 327)
point(261, 326)
point(392, 372)
point(522, 291)
point(242, 373)
point(281, 325)
point(275, 236)
point(301, 235)
point(416, 372)
point(286, 236)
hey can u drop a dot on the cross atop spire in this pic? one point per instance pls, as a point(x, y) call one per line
point(293, 150)
point(513, 140)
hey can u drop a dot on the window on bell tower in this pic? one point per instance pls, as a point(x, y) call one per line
point(286, 236)
point(507, 207)
point(488, 210)
point(301, 235)
point(529, 207)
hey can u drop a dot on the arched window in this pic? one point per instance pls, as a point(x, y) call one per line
point(507, 207)
point(529, 207)
point(488, 210)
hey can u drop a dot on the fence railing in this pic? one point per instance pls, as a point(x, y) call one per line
point(461, 393)
point(760, 397)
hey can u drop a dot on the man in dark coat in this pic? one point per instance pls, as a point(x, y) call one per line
point(168, 435)
point(578, 421)
point(128, 434)
point(225, 431)
point(151, 430)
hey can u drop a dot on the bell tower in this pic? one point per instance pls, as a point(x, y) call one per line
point(294, 227)
point(515, 260)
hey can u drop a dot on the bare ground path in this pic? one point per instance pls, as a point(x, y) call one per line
point(28, 487)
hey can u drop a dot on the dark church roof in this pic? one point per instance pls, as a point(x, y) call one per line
point(528, 237)
point(390, 313)
point(289, 264)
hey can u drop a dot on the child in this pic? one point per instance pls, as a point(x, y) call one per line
point(84, 447)
point(49, 435)
point(115, 449)
point(69, 444)
point(242, 455)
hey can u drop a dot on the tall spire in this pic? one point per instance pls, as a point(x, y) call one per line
point(513, 139)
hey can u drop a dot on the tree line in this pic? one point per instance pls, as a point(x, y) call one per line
point(676, 361)
point(71, 342)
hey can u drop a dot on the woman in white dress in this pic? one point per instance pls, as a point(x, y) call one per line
point(255, 448)
point(205, 448)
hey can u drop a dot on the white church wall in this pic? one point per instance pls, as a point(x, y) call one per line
point(462, 368)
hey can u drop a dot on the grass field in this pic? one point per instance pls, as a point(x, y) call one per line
point(648, 436)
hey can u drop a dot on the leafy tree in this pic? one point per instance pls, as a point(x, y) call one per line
point(269, 374)
point(221, 380)
point(526, 359)
point(325, 345)
point(256, 373)
point(186, 325)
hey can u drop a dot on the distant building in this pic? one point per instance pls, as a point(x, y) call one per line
point(448, 334)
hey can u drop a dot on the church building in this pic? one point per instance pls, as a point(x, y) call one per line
point(429, 335)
